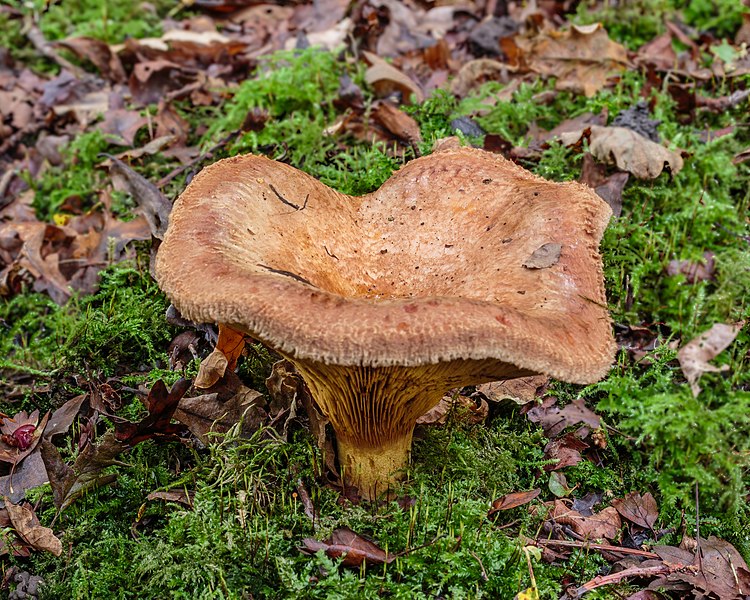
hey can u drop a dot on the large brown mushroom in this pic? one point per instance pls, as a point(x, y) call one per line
point(462, 268)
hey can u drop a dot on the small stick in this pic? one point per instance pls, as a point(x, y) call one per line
point(602, 580)
point(604, 547)
point(307, 502)
point(481, 566)
point(36, 37)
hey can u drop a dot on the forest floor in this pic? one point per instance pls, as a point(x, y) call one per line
point(635, 487)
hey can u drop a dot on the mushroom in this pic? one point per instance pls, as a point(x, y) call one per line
point(463, 268)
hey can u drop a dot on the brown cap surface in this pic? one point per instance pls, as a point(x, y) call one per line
point(459, 255)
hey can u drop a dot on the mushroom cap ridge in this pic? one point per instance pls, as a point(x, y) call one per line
point(325, 277)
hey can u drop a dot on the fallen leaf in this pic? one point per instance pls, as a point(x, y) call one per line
point(161, 404)
point(471, 410)
point(62, 418)
point(521, 390)
point(27, 526)
point(208, 414)
point(694, 355)
point(604, 524)
point(558, 484)
point(386, 79)
point(544, 257)
point(608, 187)
point(628, 150)
point(151, 202)
point(693, 270)
point(513, 500)
point(30, 473)
point(179, 496)
point(566, 451)
point(397, 122)
point(581, 58)
point(352, 548)
point(98, 53)
point(229, 348)
point(724, 573)
point(641, 510)
point(70, 483)
point(555, 419)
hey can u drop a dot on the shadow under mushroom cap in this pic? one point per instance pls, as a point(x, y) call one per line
point(460, 255)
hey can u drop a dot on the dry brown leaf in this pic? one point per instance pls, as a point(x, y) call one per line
point(544, 257)
point(205, 414)
point(229, 348)
point(694, 356)
point(521, 390)
point(438, 414)
point(581, 58)
point(604, 524)
point(641, 510)
point(397, 122)
point(628, 150)
point(608, 187)
point(180, 496)
point(27, 526)
point(694, 271)
point(350, 546)
point(386, 79)
point(513, 500)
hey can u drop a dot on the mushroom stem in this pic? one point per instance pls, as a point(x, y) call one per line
point(373, 411)
point(374, 470)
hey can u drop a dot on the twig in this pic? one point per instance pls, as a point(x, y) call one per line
point(604, 547)
point(307, 503)
point(481, 566)
point(179, 170)
point(698, 552)
point(602, 580)
point(287, 202)
point(36, 37)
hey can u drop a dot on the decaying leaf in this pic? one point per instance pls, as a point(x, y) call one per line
point(70, 483)
point(228, 349)
point(555, 419)
point(641, 510)
point(161, 404)
point(566, 450)
point(350, 546)
point(208, 413)
point(180, 496)
point(385, 79)
point(521, 390)
point(694, 270)
point(513, 500)
point(724, 573)
point(26, 525)
point(20, 435)
point(694, 356)
point(581, 58)
point(543, 257)
point(608, 187)
point(628, 150)
point(151, 202)
point(604, 524)
point(30, 473)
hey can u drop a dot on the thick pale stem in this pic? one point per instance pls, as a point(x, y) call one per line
point(374, 470)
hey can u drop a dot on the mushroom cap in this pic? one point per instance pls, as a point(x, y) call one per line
point(460, 255)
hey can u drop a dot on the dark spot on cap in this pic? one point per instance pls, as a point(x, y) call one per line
point(410, 308)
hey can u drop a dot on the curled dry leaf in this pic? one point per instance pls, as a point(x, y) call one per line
point(27, 526)
point(641, 510)
point(520, 390)
point(513, 500)
point(228, 349)
point(353, 548)
point(386, 79)
point(555, 419)
point(604, 524)
point(581, 58)
point(544, 257)
point(694, 355)
point(628, 150)
point(694, 271)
